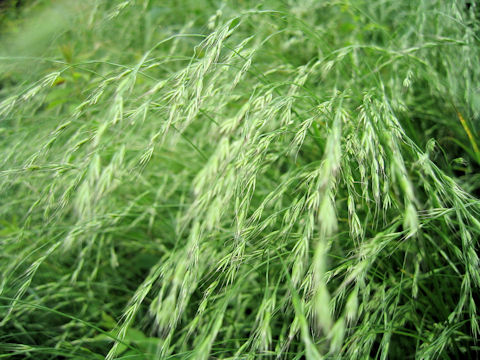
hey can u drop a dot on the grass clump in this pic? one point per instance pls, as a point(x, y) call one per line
point(234, 180)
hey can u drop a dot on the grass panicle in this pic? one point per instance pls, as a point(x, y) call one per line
point(235, 180)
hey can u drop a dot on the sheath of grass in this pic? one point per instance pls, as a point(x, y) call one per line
point(239, 180)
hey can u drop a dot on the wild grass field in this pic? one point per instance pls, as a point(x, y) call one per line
point(239, 179)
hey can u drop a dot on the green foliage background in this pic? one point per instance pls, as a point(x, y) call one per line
point(239, 180)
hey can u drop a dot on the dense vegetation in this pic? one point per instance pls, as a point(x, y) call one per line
point(291, 179)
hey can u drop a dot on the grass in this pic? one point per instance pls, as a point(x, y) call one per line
point(235, 180)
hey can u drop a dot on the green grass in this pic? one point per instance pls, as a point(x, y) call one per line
point(234, 180)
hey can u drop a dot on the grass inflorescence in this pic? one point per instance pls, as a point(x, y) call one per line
point(233, 180)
